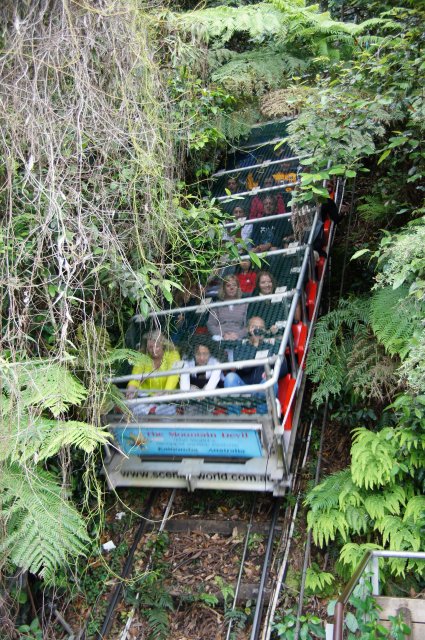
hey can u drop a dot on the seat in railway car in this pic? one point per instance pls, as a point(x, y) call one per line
point(299, 334)
point(286, 398)
point(311, 296)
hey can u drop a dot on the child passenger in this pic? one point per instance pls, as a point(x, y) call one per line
point(247, 276)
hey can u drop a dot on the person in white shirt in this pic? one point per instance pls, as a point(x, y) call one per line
point(207, 380)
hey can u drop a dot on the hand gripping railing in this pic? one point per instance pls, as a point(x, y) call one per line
point(371, 557)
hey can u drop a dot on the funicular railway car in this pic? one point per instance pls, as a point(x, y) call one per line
point(222, 409)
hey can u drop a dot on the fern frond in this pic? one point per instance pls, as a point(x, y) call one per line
point(255, 72)
point(415, 510)
point(284, 102)
point(36, 439)
point(326, 525)
point(352, 553)
point(44, 385)
point(371, 373)
point(317, 580)
point(258, 21)
point(389, 501)
point(373, 457)
point(325, 496)
point(400, 535)
point(393, 319)
point(42, 529)
point(357, 519)
point(332, 345)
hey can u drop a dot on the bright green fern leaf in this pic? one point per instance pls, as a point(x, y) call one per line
point(47, 386)
point(325, 526)
point(42, 528)
point(373, 458)
point(393, 318)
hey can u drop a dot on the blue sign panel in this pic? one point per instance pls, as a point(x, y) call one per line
point(189, 442)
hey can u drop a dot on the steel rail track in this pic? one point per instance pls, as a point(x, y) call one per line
point(118, 590)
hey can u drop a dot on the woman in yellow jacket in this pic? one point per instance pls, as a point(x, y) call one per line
point(157, 355)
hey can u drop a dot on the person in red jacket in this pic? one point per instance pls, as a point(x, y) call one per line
point(257, 204)
point(247, 276)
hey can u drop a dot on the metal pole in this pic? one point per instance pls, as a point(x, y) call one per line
point(375, 575)
point(338, 621)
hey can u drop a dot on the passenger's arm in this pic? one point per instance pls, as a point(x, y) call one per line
point(185, 382)
point(213, 380)
point(134, 385)
point(172, 381)
point(213, 324)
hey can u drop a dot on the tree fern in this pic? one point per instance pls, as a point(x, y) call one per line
point(255, 72)
point(42, 528)
point(48, 386)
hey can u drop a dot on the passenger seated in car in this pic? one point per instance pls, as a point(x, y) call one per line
point(265, 235)
point(329, 209)
point(185, 324)
point(247, 276)
point(285, 174)
point(207, 380)
point(257, 205)
point(247, 350)
point(228, 323)
point(233, 185)
point(266, 283)
point(157, 354)
point(243, 232)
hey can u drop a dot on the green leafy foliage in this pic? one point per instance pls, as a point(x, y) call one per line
point(318, 581)
point(373, 456)
point(393, 319)
point(285, 625)
point(43, 529)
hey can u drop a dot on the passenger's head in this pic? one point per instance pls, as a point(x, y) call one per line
point(230, 288)
point(232, 184)
point(268, 182)
point(269, 204)
point(154, 344)
point(245, 265)
point(330, 186)
point(202, 355)
point(239, 212)
point(256, 329)
point(265, 283)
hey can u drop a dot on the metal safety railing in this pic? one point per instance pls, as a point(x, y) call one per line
point(261, 165)
point(275, 360)
point(371, 560)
